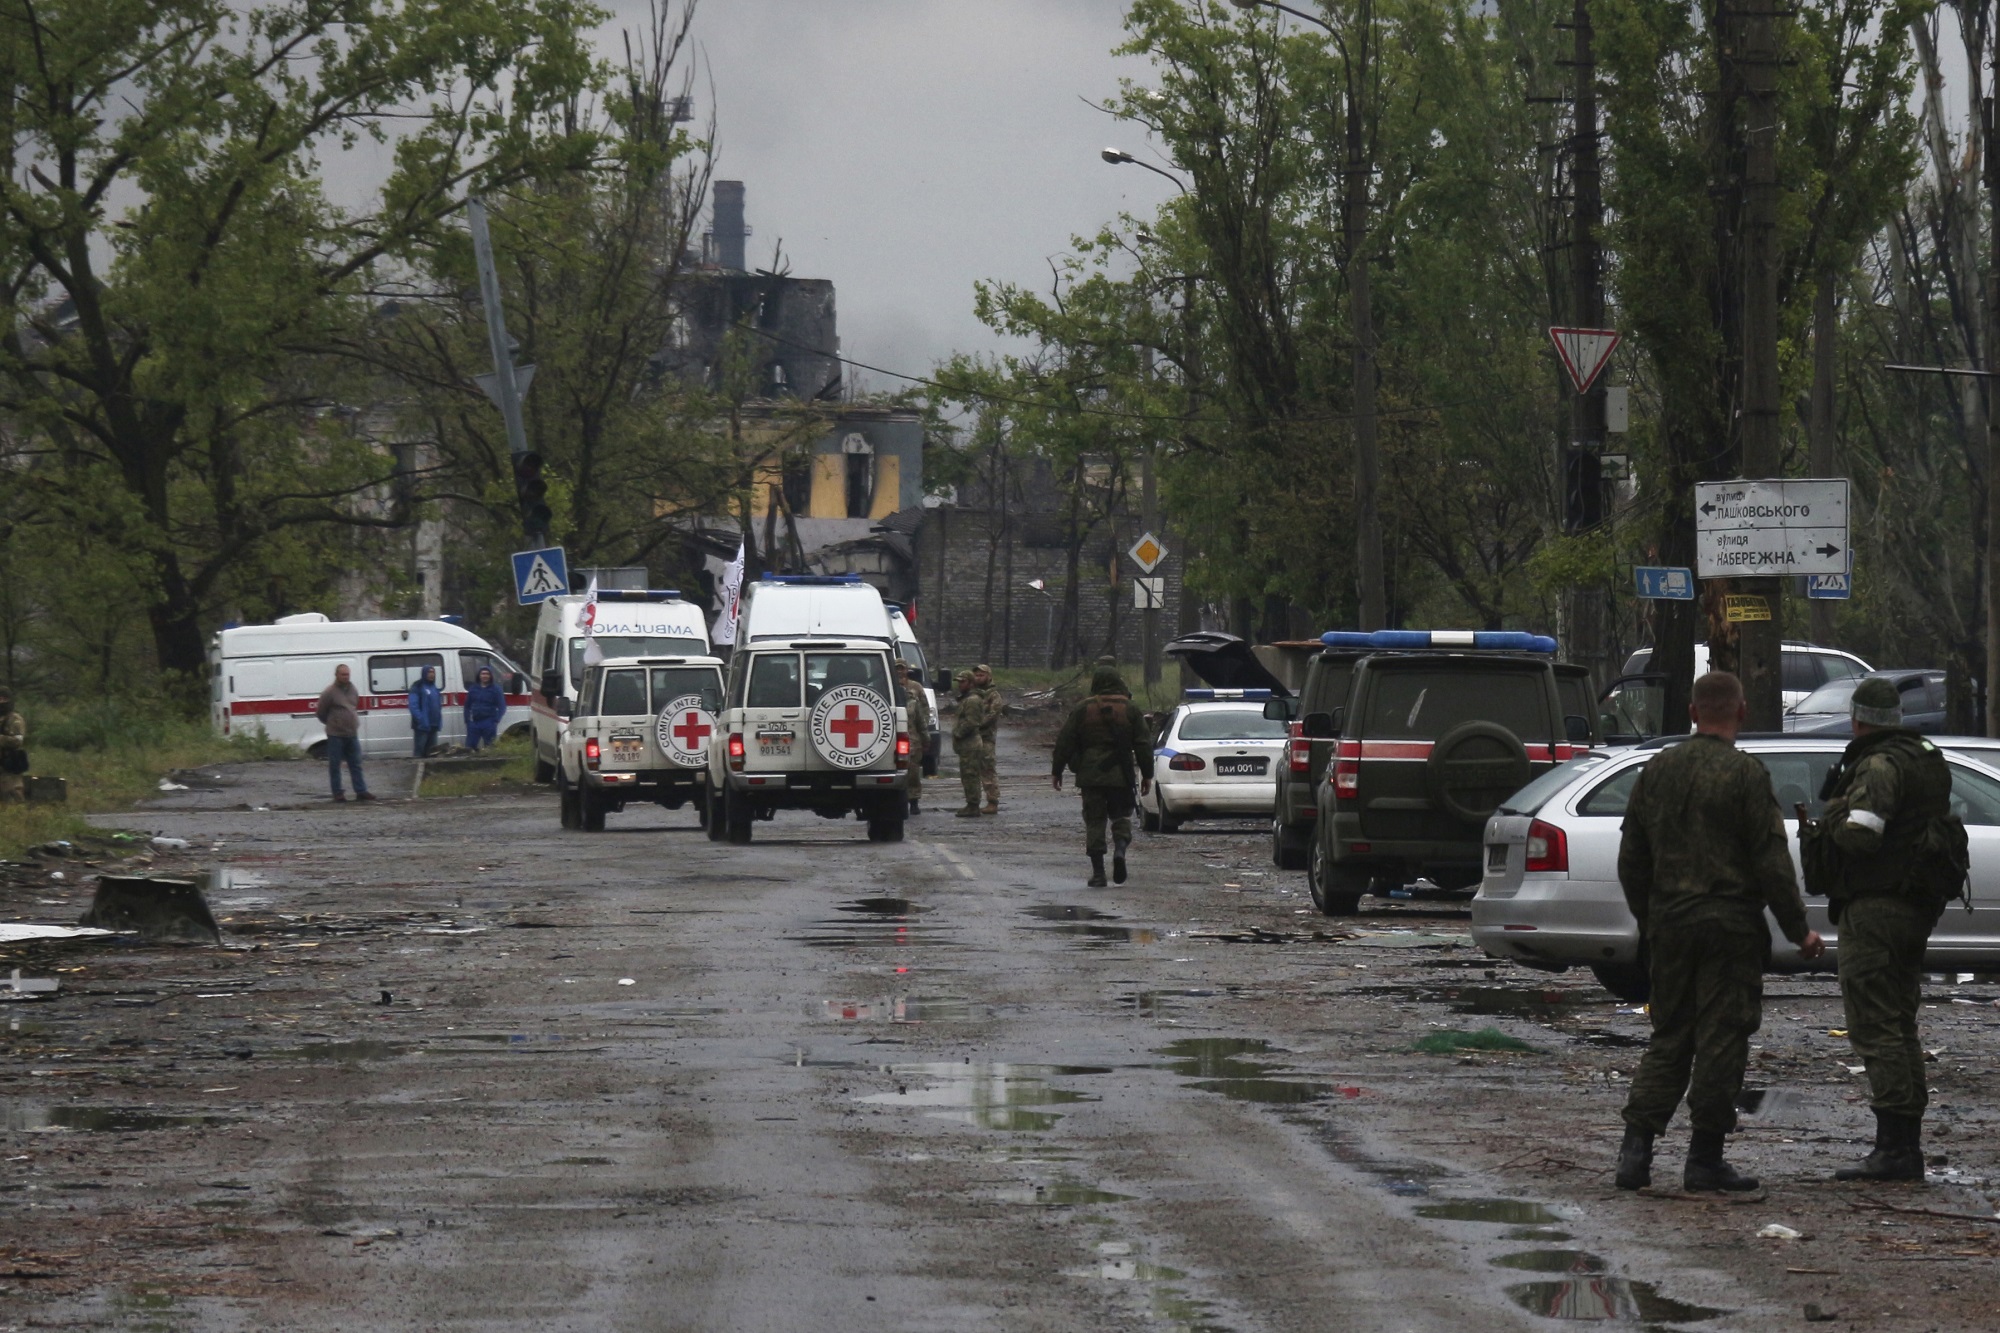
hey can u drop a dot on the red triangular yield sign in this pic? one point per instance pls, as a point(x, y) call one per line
point(1584, 353)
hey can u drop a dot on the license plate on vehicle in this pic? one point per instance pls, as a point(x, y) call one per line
point(1496, 856)
point(1240, 768)
point(627, 751)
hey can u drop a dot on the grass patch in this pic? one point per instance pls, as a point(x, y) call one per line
point(517, 774)
point(1073, 683)
point(1486, 1039)
point(112, 754)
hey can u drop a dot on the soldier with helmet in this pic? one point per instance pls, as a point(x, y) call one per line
point(13, 749)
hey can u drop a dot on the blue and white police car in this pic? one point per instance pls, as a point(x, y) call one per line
point(1216, 758)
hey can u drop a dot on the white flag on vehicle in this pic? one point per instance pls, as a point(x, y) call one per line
point(592, 654)
point(730, 593)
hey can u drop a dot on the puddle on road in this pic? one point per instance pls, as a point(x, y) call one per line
point(1158, 1003)
point(1091, 936)
point(991, 1096)
point(1511, 1212)
point(1553, 1261)
point(1607, 1299)
point(884, 907)
point(888, 932)
point(1063, 912)
point(1063, 1194)
point(28, 1117)
point(1535, 1234)
point(902, 1009)
point(1613, 1039)
point(1762, 1102)
point(1216, 1064)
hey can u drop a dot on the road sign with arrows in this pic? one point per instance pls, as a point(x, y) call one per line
point(1752, 529)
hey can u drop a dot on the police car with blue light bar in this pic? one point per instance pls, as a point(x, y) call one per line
point(1216, 758)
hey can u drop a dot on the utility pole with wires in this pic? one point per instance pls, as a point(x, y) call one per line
point(1585, 621)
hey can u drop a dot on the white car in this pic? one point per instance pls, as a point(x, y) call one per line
point(1216, 758)
point(1550, 898)
point(1802, 667)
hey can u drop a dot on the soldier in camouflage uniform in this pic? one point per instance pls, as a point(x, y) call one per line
point(989, 731)
point(919, 706)
point(1888, 854)
point(1106, 742)
point(13, 749)
point(1704, 853)
point(968, 741)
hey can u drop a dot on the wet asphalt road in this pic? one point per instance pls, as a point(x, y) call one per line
point(460, 1069)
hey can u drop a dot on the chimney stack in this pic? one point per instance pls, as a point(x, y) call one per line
point(728, 225)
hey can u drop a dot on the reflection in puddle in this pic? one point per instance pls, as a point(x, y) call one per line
point(1063, 1194)
point(1156, 1003)
point(991, 1096)
point(1061, 912)
point(27, 1117)
point(1217, 1065)
point(1098, 937)
point(1553, 1261)
point(1614, 1039)
point(884, 907)
point(901, 1009)
point(888, 933)
point(1512, 1212)
point(1535, 1233)
point(1607, 1298)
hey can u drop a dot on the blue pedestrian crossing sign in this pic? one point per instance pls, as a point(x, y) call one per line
point(1665, 583)
point(1829, 587)
point(540, 575)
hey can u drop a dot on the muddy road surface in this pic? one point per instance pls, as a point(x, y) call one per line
point(454, 1067)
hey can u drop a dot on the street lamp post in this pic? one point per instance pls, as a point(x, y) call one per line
point(1049, 628)
point(1119, 157)
point(1373, 586)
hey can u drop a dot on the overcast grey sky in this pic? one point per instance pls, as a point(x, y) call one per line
point(905, 148)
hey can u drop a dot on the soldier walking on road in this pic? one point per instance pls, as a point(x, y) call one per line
point(993, 704)
point(13, 749)
point(1704, 853)
point(1888, 854)
point(968, 740)
point(1104, 740)
point(919, 706)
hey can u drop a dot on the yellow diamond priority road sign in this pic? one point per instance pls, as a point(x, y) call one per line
point(1147, 553)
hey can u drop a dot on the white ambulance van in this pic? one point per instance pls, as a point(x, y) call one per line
point(912, 653)
point(631, 622)
point(268, 678)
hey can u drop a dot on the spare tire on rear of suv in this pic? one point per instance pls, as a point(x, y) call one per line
point(1473, 767)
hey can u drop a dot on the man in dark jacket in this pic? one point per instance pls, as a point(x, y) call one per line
point(339, 711)
point(1104, 740)
point(1704, 853)
point(426, 704)
point(1887, 839)
point(485, 705)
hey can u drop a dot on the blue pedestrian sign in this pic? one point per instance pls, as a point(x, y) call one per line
point(1829, 587)
point(1665, 583)
point(540, 575)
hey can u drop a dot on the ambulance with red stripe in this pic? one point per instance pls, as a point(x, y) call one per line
point(1439, 727)
point(268, 678)
point(626, 622)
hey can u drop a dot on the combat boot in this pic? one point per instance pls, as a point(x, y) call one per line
point(970, 812)
point(1635, 1160)
point(1898, 1155)
point(1706, 1171)
point(990, 808)
point(1118, 860)
point(1096, 880)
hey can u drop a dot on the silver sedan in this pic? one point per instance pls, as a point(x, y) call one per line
point(1550, 898)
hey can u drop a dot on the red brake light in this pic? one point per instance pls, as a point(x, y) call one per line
point(592, 752)
point(736, 749)
point(1548, 848)
point(1347, 779)
point(902, 750)
point(1187, 763)
point(1298, 750)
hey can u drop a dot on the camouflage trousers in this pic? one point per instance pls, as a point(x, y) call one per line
point(1101, 805)
point(1881, 986)
point(1707, 1002)
point(13, 787)
point(976, 771)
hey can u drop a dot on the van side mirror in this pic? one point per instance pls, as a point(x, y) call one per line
point(1318, 726)
point(551, 685)
point(1578, 729)
point(564, 708)
point(517, 683)
point(941, 680)
point(1280, 710)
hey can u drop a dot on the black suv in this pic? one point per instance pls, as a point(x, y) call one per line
point(1310, 746)
point(1438, 727)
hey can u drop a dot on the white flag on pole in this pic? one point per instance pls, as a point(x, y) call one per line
point(592, 654)
point(730, 593)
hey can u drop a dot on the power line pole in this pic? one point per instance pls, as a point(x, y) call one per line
point(506, 383)
point(1368, 563)
point(1819, 423)
point(1989, 711)
point(1583, 468)
point(1760, 642)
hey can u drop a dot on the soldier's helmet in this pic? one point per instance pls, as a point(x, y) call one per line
point(964, 675)
point(1876, 703)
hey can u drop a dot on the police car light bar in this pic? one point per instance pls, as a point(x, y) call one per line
point(812, 580)
point(638, 594)
point(1493, 640)
point(1204, 695)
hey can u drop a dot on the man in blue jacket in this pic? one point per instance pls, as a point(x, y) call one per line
point(485, 705)
point(426, 712)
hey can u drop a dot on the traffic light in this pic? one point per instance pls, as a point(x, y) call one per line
point(532, 490)
point(1583, 489)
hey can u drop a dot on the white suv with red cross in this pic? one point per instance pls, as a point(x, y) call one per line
point(812, 718)
point(639, 732)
